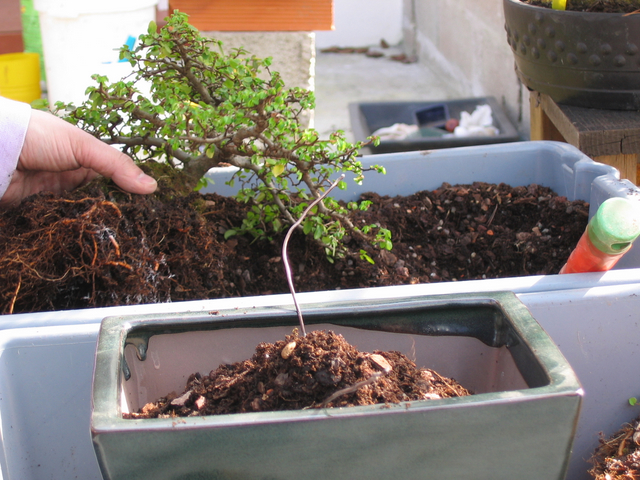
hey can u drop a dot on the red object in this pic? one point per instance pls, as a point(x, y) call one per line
point(451, 124)
point(587, 258)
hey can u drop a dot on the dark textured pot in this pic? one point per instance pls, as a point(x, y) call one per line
point(577, 58)
point(519, 424)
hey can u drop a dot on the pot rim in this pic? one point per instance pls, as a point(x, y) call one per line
point(106, 414)
point(569, 13)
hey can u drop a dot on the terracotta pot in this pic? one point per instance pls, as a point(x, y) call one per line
point(577, 58)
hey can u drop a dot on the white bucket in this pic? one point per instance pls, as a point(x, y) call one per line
point(81, 38)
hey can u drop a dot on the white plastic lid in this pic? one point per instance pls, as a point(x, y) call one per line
point(75, 8)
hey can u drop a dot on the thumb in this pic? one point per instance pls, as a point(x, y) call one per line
point(109, 162)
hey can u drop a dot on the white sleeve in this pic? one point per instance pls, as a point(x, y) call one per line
point(14, 120)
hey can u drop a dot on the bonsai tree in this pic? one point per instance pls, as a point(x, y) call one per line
point(203, 108)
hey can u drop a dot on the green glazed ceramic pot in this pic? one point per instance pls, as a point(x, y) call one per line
point(519, 424)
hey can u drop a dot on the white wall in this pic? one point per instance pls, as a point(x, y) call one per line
point(467, 41)
point(363, 23)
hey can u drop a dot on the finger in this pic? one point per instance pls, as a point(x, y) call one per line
point(54, 145)
point(109, 162)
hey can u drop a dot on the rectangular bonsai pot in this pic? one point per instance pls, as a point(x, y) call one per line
point(367, 117)
point(519, 424)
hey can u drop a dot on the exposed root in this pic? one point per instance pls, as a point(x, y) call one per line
point(15, 294)
point(85, 250)
point(618, 457)
point(353, 388)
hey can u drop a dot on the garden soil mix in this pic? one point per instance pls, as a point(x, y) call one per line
point(315, 371)
point(89, 249)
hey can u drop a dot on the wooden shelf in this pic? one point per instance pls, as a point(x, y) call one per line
point(607, 136)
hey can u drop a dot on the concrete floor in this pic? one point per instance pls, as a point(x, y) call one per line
point(343, 78)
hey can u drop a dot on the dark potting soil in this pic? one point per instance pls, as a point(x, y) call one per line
point(315, 371)
point(85, 249)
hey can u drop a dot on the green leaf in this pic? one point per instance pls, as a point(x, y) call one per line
point(307, 226)
point(40, 104)
point(200, 185)
point(633, 401)
point(230, 233)
point(153, 28)
point(204, 182)
point(365, 256)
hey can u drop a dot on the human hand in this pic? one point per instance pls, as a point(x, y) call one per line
point(57, 156)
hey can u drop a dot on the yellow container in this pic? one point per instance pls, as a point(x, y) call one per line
point(20, 76)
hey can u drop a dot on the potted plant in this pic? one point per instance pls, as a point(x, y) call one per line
point(191, 108)
point(586, 54)
point(524, 409)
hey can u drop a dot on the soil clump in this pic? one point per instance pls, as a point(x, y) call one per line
point(315, 371)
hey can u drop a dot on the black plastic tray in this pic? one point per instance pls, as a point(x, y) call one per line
point(366, 118)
